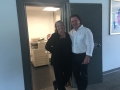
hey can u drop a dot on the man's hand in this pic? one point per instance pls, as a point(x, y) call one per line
point(86, 60)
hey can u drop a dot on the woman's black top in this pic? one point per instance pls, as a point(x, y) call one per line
point(60, 48)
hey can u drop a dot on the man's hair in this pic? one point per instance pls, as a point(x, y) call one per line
point(75, 15)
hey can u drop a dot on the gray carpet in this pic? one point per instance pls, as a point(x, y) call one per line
point(110, 82)
point(43, 76)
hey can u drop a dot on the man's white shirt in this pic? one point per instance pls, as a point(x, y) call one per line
point(82, 40)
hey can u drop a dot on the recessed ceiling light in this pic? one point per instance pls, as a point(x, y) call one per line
point(50, 9)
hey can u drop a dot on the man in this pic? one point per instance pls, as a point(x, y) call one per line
point(82, 48)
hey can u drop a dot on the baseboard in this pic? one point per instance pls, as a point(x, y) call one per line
point(111, 71)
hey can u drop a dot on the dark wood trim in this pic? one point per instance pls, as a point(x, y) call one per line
point(47, 1)
point(42, 4)
point(24, 44)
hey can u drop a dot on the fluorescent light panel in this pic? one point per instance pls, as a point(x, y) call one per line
point(50, 9)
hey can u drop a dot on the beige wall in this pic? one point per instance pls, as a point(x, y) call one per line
point(57, 15)
point(40, 24)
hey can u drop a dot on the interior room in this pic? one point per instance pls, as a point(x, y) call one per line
point(41, 22)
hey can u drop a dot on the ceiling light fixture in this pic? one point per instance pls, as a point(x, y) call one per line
point(50, 9)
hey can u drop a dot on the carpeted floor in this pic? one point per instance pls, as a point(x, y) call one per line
point(43, 76)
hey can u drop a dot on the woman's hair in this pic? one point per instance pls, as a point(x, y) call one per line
point(56, 25)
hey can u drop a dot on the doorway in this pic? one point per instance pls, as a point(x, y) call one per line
point(40, 22)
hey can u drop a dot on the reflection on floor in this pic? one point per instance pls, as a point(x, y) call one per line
point(43, 76)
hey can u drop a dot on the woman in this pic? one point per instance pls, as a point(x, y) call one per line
point(60, 46)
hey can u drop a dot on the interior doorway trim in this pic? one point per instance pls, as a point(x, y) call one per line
point(24, 37)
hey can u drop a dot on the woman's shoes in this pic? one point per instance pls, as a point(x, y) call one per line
point(55, 85)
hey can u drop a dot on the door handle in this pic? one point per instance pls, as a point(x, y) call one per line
point(96, 45)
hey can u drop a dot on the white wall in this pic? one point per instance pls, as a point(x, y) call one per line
point(11, 71)
point(40, 23)
point(110, 44)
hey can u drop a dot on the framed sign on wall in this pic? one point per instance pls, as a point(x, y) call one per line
point(114, 17)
